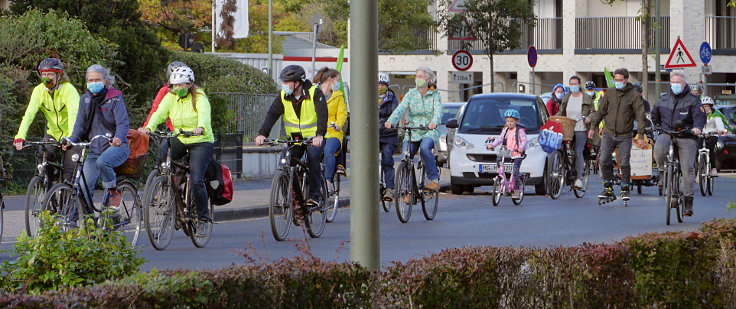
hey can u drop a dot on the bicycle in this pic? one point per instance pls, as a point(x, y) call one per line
point(674, 198)
point(333, 198)
point(47, 174)
point(564, 172)
point(169, 202)
point(71, 202)
point(407, 191)
point(382, 187)
point(289, 190)
point(503, 184)
point(703, 166)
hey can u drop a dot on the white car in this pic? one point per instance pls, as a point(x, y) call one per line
point(471, 164)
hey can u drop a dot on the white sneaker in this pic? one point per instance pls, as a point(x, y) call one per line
point(578, 184)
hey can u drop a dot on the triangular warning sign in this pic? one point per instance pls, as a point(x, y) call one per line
point(457, 6)
point(679, 57)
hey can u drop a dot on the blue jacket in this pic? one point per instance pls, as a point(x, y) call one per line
point(388, 105)
point(684, 107)
point(111, 117)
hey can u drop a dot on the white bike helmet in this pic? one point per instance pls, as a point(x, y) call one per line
point(181, 75)
point(383, 78)
point(707, 101)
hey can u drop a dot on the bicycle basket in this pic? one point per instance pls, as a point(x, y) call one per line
point(132, 167)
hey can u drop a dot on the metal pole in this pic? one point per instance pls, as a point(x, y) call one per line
point(214, 4)
point(364, 228)
point(270, 37)
point(534, 82)
point(658, 43)
point(314, 48)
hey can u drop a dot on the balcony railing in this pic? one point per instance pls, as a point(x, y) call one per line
point(546, 35)
point(616, 34)
point(720, 31)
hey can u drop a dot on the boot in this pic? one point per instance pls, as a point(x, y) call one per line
point(625, 192)
point(688, 207)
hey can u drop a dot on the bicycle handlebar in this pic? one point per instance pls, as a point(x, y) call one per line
point(274, 142)
point(413, 128)
point(170, 134)
point(66, 141)
point(29, 144)
point(686, 131)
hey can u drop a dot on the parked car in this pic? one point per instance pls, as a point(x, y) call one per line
point(471, 164)
point(449, 111)
point(726, 146)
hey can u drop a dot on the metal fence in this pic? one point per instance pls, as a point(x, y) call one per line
point(720, 31)
point(617, 32)
point(547, 34)
point(250, 110)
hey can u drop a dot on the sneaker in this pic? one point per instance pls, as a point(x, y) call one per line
point(433, 186)
point(342, 171)
point(660, 180)
point(114, 198)
point(312, 202)
point(516, 194)
point(713, 172)
point(388, 195)
point(578, 184)
point(688, 206)
point(201, 228)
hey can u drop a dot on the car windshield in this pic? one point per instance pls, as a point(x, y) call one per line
point(448, 112)
point(485, 115)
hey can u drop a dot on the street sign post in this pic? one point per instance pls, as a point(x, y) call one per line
point(679, 57)
point(707, 70)
point(461, 77)
point(462, 60)
point(705, 55)
point(531, 58)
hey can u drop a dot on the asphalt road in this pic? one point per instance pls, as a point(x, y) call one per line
point(467, 220)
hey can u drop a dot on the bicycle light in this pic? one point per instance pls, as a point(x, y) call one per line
point(75, 157)
point(40, 168)
point(283, 161)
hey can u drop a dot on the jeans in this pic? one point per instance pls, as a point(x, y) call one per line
point(581, 138)
point(687, 149)
point(608, 144)
point(200, 156)
point(314, 158)
point(103, 166)
point(430, 165)
point(332, 146)
point(387, 164)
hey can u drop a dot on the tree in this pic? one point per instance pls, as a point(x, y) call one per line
point(497, 24)
point(177, 16)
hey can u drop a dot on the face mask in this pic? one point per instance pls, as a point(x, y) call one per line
point(181, 92)
point(382, 91)
point(559, 96)
point(575, 88)
point(286, 89)
point(336, 86)
point(676, 88)
point(619, 85)
point(420, 82)
point(590, 93)
point(95, 87)
point(48, 82)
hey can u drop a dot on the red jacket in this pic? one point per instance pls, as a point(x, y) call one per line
point(159, 96)
point(553, 106)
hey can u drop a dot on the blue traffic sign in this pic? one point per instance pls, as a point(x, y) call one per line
point(531, 56)
point(705, 52)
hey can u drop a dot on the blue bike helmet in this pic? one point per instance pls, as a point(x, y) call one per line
point(512, 113)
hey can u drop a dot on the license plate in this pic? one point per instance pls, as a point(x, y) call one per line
point(493, 168)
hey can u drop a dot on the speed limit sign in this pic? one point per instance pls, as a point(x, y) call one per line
point(462, 60)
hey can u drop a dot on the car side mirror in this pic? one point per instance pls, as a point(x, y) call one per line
point(452, 124)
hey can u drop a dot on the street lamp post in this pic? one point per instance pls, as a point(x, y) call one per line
point(657, 43)
point(270, 37)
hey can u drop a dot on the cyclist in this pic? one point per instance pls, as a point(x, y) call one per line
point(189, 110)
point(58, 100)
point(162, 93)
point(514, 138)
point(578, 106)
point(424, 107)
point(696, 91)
point(713, 124)
point(102, 111)
point(304, 111)
point(388, 139)
point(619, 107)
point(596, 96)
point(676, 110)
point(337, 113)
point(553, 104)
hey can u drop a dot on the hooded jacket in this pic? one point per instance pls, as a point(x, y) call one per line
point(553, 104)
point(111, 117)
point(619, 108)
point(388, 104)
point(673, 108)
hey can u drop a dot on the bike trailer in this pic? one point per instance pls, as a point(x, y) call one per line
point(641, 161)
point(219, 183)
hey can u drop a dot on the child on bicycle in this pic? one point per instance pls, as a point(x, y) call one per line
point(513, 136)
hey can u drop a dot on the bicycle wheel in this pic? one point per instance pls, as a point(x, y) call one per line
point(200, 241)
point(334, 200)
point(60, 200)
point(159, 211)
point(517, 201)
point(678, 193)
point(34, 202)
point(498, 189)
point(130, 215)
point(430, 200)
point(711, 184)
point(279, 207)
point(703, 172)
point(405, 188)
point(556, 175)
point(669, 194)
point(579, 193)
point(316, 217)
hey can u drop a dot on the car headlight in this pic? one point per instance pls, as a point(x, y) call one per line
point(533, 143)
point(462, 143)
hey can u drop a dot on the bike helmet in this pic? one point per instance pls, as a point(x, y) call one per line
point(383, 78)
point(707, 101)
point(293, 73)
point(695, 88)
point(182, 75)
point(512, 113)
point(638, 88)
point(173, 66)
point(51, 65)
point(590, 84)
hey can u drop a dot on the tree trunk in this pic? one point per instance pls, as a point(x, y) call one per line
point(645, 21)
point(490, 57)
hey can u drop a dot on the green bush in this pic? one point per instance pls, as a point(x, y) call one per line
point(56, 259)
point(218, 74)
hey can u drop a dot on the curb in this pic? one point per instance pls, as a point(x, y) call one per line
point(259, 211)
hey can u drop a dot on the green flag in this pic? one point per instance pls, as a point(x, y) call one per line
point(338, 67)
point(609, 77)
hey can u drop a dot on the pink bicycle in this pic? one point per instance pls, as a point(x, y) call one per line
point(503, 183)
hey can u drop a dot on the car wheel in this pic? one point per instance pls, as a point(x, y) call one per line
point(470, 188)
point(456, 189)
point(541, 189)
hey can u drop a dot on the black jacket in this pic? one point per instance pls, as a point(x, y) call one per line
point(389, 104)
point(277, 109)
point(684, 107)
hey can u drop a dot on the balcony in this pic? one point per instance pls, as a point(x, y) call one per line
point(720, 32)
point(616, 35)
point(546, 36)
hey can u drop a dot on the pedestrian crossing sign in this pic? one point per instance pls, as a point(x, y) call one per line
point(679, 57)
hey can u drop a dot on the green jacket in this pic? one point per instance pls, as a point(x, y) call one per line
point(587, 110)
point(619, 109)
point(717, 113)
point(60, 111)
point(183, 116)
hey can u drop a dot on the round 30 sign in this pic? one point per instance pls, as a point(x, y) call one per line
point(462, 60)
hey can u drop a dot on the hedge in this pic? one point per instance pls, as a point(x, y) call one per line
point(668, 270)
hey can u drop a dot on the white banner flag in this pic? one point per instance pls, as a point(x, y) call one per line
point(241, 25)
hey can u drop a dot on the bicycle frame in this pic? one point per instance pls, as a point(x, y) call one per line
point(507, 183)
point(79, 180)
point(296, 168)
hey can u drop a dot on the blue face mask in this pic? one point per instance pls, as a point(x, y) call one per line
point(574, 88)
point(336, 86)
point(676, 88)
point(286, 89)
point(559, 95)
point(95, 87)
point(619, 85)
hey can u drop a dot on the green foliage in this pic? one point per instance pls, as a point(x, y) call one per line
point(217, 74)
point(55, 259)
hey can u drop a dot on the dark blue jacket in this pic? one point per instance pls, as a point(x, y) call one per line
point(111, 117)
point(685, 107)
point(389, 104)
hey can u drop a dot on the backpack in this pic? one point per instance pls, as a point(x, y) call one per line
point(138, 144)
point(219, 183)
